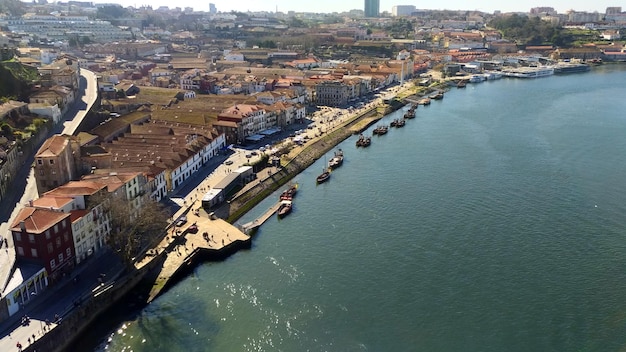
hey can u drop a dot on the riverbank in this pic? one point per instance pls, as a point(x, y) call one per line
point(164, 266)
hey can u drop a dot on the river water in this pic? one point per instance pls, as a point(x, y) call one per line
point(493, 221)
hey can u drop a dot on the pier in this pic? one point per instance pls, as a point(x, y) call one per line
point(252, 225)
point(182, 247)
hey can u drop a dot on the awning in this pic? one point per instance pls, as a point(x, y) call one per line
point(255, 137)
point(270, 131)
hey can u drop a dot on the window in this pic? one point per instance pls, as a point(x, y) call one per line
point(50, 248)
point(66, 237)
point(58, 242)
point(60, 258)
point(53, 263)
point(20, 251)
point(40, 172)
point(18, 236)
point(56, 228)
point(51, 162)
point(39, 162)
point(31, 238)
point(33, 252)
point(47, 234)
point(68, 252)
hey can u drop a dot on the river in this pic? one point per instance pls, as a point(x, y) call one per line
point(493, 221)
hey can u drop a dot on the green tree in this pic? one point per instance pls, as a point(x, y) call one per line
point(530, 31)
point(111, 12)
point(12, 7)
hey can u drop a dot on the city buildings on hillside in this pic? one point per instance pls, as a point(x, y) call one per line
point(62, 27)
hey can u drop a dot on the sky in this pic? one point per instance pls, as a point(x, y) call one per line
point(385, 5)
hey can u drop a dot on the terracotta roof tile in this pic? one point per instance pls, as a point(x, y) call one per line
point(37, 220)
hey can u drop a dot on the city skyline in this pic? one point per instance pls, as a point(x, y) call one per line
point(327, 6)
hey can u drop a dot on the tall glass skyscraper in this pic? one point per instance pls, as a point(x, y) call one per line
point(372, 8)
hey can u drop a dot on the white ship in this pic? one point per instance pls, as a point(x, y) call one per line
point(528, 72)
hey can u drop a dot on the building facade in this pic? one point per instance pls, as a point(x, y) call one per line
point(44, 237)
point(56, 162)
point(402, 10)
point(372, 8)
point(332, 93)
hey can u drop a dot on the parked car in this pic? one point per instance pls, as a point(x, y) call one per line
point(228, 162)
point(193, 228)
point(181, 221)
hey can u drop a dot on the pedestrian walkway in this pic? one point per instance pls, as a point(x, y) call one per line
point(181, 245)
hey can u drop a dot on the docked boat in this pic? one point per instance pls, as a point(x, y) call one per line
point(285, 208)
point(569, 67)
point(363, 141)
point(380, 130)
point(461, 84)
point(400, 123)
point(324, 176)
point(337, 160)
point(409, 114)
point(289, 193)
point(477, 78)
point(529, 72)
point(493, 75)
point(424, 101)
point(437, 96)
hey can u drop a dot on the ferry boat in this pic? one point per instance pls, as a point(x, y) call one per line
point(493, 75)
point(477, 78)
point(529, 72)
point(565, 67)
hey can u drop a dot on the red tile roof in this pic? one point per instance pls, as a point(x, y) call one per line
point(37, 220)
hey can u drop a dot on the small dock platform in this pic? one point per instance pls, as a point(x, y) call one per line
point(180, 249)
point(250, 226)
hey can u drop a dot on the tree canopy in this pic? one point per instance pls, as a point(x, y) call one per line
point(530, 31)
point(12, 7)
point(132, 231)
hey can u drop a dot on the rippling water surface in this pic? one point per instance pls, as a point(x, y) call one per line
point(493, 221)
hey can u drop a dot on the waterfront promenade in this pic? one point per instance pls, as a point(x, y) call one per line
point(180, 246)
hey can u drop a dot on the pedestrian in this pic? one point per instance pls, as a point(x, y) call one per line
point(222, 241)
point(33, 337)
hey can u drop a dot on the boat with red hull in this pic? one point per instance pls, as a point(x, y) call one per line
point(285, 208)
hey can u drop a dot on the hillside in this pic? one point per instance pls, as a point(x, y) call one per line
point(15, 80)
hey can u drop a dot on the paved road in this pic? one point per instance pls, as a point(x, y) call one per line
point(26, 190)
point(59, 300)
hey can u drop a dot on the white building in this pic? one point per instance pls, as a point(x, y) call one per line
point(402, 10)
